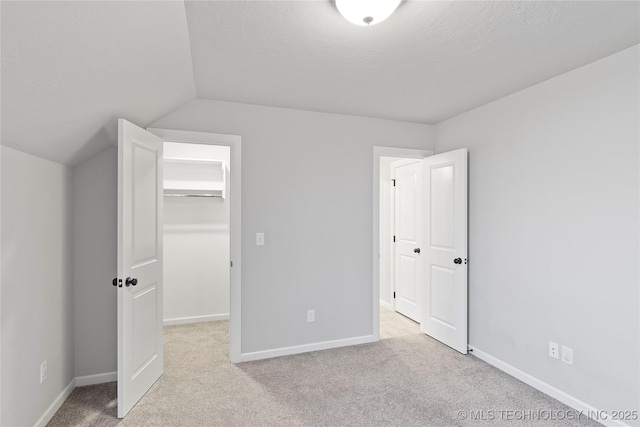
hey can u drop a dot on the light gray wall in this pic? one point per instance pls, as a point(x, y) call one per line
point(95, 263)
point(553, 228)
point(307, 184)
point(37, 277)
point(196, 258)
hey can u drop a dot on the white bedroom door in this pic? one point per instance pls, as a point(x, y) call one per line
point(445, 249)
point(408, 236)
point(139, 281)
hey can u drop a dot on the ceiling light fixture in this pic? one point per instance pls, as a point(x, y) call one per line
point(366, 12)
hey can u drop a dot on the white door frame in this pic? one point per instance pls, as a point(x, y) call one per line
point(409, 153)
point(234, 143)
point(0, 291)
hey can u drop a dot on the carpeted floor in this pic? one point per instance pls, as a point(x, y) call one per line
point(406, 381)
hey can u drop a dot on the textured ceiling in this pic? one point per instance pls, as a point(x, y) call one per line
point(429, 61)
point(69, 69)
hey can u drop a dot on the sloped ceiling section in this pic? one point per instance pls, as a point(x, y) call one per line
point(429, 61)
point(70, 69)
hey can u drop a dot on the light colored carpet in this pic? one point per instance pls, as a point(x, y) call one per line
point(406, 381)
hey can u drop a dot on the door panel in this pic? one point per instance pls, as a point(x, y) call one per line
point(408, 233)
point(407, 288)
point(443, 212)
point(445, 305)
point(140, 356)
point(441, 298)
point(143, 187)
point(144, 327)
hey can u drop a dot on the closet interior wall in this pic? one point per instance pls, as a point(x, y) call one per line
point(196, 241)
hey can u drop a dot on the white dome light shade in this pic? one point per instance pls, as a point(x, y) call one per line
point(366, 12)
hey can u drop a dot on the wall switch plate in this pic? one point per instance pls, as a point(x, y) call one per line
point(311, 316)
point(553, 350)
point(259, 239)
point(567, 355)
point(43, 371)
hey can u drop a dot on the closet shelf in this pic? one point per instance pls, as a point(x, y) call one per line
point(194, 188)
point(184, 177)
point(191, 193)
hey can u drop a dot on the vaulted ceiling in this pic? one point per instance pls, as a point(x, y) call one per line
point(69, 69)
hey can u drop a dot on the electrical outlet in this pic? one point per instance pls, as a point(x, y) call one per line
point(311, 316)
point(43, 371)
point(567, 355)
point(553, 349)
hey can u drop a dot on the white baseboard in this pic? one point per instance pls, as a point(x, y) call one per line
point(386, 305)
point(53, 408)
point(547, 389)
point(64, 394)
point(106, 377)
point(286, 351)
point(195, 319)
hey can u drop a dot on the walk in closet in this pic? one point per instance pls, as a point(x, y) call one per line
point(196, 233)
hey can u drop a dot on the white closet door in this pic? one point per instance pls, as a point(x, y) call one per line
point(408, 194)
point(445, 252)
point(140, 358)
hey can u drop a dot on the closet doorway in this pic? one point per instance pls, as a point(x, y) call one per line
point(196, 233)
point(425, 278)
point(399, 271)
point(233, 197)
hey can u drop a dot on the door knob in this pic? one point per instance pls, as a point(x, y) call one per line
point(131, 281)
point(117, 282)
point(457, 261)
point(416, 250)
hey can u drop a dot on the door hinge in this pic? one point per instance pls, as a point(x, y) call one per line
point(394, 239)
point(394, 295)
point(394, 182)
point(231, 263)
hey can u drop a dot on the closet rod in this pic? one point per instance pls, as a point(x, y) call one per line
point(191, 195)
